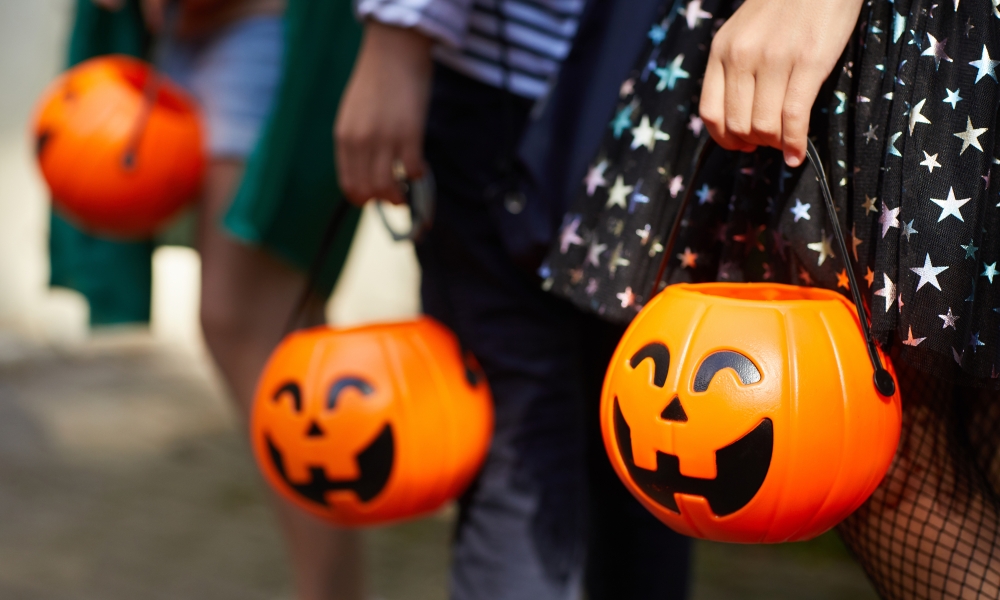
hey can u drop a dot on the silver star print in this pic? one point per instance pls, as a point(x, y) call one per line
point(696, 124)
point(693, 13)
point(870, 134)
point(569, 236)
point(953, 98)
point(801, 211)
point(594, 253)
point(618, 194)
point(990, 272)
point(936, 50)
point(688, 259)
point(855, 242)
point(908, 230)
point(669, 74)
point(930, 162)
point(628, 86)
point(647, 135)
point(617, 260)
point(627, 297)
point(636, 197)
point(869, 205)
point(975, 342)
point(970, 249)
point(950, 206)
point(823, 246)
point(643, 234)
point(676, 185)
point(889, 219)
point(912, 341)
point(928, 273)
point(970, 137)
point(595, 177)
point(949, 320)
point(916, 117)
point(888, 292)
point(843, 102)
point(986, 66)
point(705, 194)
point(655, 248)
point(892, 144)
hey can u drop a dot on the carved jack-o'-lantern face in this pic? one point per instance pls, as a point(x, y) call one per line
point(740, 466)
point(747, 412)
point(371, 424)
point(374, 460)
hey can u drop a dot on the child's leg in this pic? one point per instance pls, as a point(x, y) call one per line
point(932, 529)
point(247, 297)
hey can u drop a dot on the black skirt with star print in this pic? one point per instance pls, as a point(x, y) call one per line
point(907, 124)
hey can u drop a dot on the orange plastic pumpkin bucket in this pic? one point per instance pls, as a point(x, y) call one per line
point(371, 424)
point(751, 412)
point(119, 146)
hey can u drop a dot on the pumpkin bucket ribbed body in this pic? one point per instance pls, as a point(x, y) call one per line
point(372, 424)
point(747, 412)
point(119, 146)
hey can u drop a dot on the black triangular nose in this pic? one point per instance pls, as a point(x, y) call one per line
point(674, 411)
point(315, 431)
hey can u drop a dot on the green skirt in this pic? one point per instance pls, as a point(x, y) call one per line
point(290, 186)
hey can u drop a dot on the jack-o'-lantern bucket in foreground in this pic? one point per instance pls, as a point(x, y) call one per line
point(119, 145)
point(371, 424)
point(747, 412)
point(752, 413)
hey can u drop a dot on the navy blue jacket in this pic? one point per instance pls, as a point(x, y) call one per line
point(562, 139)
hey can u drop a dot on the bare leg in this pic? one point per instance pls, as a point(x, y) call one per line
point(246, 299)
point(932, 529)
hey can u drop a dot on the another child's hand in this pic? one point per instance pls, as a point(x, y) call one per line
point(766, 67)
point(381, 118)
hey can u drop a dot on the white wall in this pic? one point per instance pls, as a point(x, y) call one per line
point(380, 280)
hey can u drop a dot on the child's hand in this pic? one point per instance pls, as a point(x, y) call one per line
point(381, 118)
point(766, 67)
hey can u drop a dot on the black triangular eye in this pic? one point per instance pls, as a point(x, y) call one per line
point(674, 411)
point(314, 430)
point(660, 356)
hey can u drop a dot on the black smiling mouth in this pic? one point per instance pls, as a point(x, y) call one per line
point(740, 470)
point(374, 462)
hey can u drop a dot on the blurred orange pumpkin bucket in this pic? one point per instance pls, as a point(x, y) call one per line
point(119, 146)
point(371, 424)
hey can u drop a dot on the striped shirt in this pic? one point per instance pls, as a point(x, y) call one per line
point(517, 44)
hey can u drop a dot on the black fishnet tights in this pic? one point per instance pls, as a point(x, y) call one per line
point(931, 531)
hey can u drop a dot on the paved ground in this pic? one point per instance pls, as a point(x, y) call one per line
point(122, 477)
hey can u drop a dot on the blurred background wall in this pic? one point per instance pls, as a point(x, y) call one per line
point(32, 34)
point(379, 282)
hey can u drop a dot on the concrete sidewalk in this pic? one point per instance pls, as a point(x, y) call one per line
point(123, 476)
